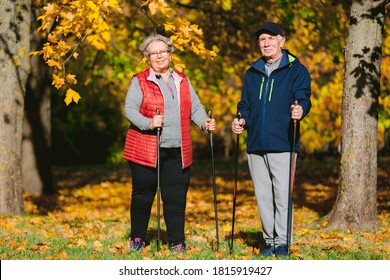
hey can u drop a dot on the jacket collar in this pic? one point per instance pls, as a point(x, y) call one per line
point(152, 76)
point(286, 59)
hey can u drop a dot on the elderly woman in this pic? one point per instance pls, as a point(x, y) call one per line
point(160, 87)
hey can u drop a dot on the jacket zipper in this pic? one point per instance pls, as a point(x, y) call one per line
point(265, 101)
point(272, 87)
point(261, 88)
point(263, 112)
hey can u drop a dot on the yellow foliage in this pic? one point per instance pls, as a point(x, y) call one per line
point(82, 19)
point(53, 63)
point(70, 96)
point(88, 21)
point(52, 38)
point(158, 6)
point(227, 5)
point(57, 81)
point(169, 27)
point(71, 79)
point(47, 51)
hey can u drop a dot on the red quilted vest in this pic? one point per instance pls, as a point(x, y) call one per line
point(141, 146)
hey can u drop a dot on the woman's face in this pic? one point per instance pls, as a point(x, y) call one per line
point(159, 56)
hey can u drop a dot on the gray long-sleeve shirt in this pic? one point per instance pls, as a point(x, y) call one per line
point(171, 131)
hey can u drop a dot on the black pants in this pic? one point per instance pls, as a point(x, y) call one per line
point(174, 182)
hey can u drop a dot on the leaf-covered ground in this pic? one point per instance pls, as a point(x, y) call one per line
point(89, 218)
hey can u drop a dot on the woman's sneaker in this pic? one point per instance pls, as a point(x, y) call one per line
point(179, 247)
point(136, 244)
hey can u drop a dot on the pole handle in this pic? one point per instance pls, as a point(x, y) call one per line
point(295, 103)
point(158, 113)
point(210, 116)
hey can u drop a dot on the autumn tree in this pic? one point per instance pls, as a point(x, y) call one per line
point(36, 142)
point(355, 206)
point(104, 37)
point(14, 49)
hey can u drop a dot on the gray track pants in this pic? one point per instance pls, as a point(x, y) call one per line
point(270, 174)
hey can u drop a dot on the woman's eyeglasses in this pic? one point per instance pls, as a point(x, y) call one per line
point(156, 54)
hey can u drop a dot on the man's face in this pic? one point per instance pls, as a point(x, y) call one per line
point(271, 46)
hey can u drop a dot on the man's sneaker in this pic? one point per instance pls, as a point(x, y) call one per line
point(268, 251)
point(136, 244)
point(179, 247)
point(281, 251)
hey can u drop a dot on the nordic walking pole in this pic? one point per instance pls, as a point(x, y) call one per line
point(158, 186)
point(291, 187)
point(214, 185)
point(235, 185)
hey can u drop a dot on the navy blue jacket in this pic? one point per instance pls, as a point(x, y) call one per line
point(265, 104)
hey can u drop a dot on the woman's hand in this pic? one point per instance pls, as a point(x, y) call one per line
point(209, 124)
point(157, 121)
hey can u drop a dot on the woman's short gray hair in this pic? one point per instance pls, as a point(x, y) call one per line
point(153, 38)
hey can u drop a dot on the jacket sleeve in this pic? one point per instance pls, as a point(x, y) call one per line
point(132, 105)
point(302, 89)
point(243, 105)
point(198, 113)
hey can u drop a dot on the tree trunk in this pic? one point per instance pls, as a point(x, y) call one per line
point(355, 206)
point(36, 144)
point(14, 68)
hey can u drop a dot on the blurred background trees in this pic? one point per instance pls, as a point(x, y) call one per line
point(315, 31)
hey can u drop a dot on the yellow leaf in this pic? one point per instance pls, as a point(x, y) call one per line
point(169, 27)
point(182, 41)
point(153, 8)
point(49, 8)
point(53, 63)
point(57, 81)
point(63, 48)
point(62, 256)
point(47, 51)
point(35, 53)
point(9, 226)
point(227, 227)
point(179, 67)
point(52, 38)
point(93, 6)
point(71, 79)
point(98, 246)
point(196, 29)
point(226, 5)
point(303, 232)
point(81, 243)
point(186, 30)
point(70, 96)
